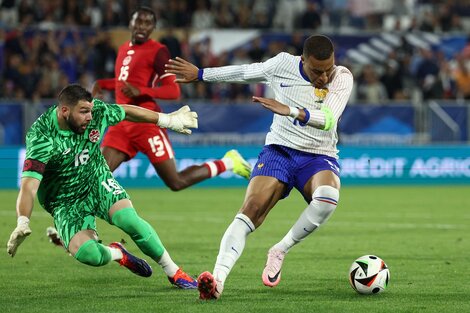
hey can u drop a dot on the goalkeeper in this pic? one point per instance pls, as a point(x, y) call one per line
point(65, 168)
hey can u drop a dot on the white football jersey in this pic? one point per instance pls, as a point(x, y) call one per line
point(284, 74)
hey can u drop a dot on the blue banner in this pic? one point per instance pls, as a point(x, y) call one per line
point(228, 118)
point(11, 125)
point(359, 165)
point(397, 119)
point(377, 124)
point(452, 126)
point(247, 124)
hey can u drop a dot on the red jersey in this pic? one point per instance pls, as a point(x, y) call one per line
point(142, 66)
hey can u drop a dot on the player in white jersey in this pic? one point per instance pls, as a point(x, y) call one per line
point(311, 93)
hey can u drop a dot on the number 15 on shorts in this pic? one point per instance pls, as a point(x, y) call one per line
point(112, 186)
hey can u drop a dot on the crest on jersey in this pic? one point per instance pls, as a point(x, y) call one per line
point(320, 94)
point(94, 135)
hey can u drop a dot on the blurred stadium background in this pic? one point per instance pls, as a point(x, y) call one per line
point(407, 121)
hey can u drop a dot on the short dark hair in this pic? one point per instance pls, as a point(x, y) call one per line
point(72, 94)
point(318, 46)
point(145, 9)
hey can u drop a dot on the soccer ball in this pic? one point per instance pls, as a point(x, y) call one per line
point(369, 275)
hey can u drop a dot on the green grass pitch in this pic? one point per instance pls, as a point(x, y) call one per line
point(422, 233)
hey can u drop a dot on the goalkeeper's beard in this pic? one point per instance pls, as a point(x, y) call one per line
point(74, 126)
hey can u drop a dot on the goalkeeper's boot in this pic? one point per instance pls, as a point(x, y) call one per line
point(209, 287)
point(134, 264)
point(53, 236)
point(240, 165)
point(272, 270)
point(182, 280)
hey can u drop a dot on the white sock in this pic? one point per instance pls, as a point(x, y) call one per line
point(228, 162)
point(216, 167)
point(167, 264)
point(232, 245)
point(324, 201)
point(116, 254)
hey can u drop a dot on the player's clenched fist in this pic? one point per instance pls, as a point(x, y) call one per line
point(180, 121)
point(20, 233)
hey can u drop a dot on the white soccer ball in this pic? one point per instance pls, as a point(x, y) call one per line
point(369, 275)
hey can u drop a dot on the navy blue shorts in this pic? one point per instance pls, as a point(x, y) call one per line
point(292, 167)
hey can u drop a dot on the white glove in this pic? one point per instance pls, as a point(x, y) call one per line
point(179, 121)
point(20, 233)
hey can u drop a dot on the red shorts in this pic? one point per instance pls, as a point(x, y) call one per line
point(130, 138)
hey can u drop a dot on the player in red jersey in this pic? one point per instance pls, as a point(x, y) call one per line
point(139, 78)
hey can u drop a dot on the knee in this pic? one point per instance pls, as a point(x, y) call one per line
point(254, 212)
point(132, 224)
point(328, 193)
point(324, 201)
point(127, 220)
point(90, 254)
point(176, 184)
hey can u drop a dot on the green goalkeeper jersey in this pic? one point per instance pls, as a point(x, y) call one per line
point(70, 166)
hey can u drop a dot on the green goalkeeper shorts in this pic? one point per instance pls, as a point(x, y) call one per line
point(70, 218)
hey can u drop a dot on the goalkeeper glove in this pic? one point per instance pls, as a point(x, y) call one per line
point(179, 121)
point(20, 233)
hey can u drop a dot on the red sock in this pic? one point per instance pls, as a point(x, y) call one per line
point(215, 167)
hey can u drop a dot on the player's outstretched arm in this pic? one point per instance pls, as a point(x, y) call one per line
point(281, 109)
point(273, 105)
point(24, 207)
point(322, 119)
point(180, 121)
point(186, 71)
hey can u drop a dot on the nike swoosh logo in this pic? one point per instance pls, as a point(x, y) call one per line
point(285, 85)
point(308, 231)
point(235, 250)
point(274, 278)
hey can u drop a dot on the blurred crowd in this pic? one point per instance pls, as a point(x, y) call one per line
point(414, 73)
point(427, 15)
point(45, 44)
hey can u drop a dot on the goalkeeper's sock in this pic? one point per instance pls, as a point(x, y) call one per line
point(232, 245)
point(145, 238)
point(322, 206)
point(116, 254)
point(217, 167)
point(167, 264)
